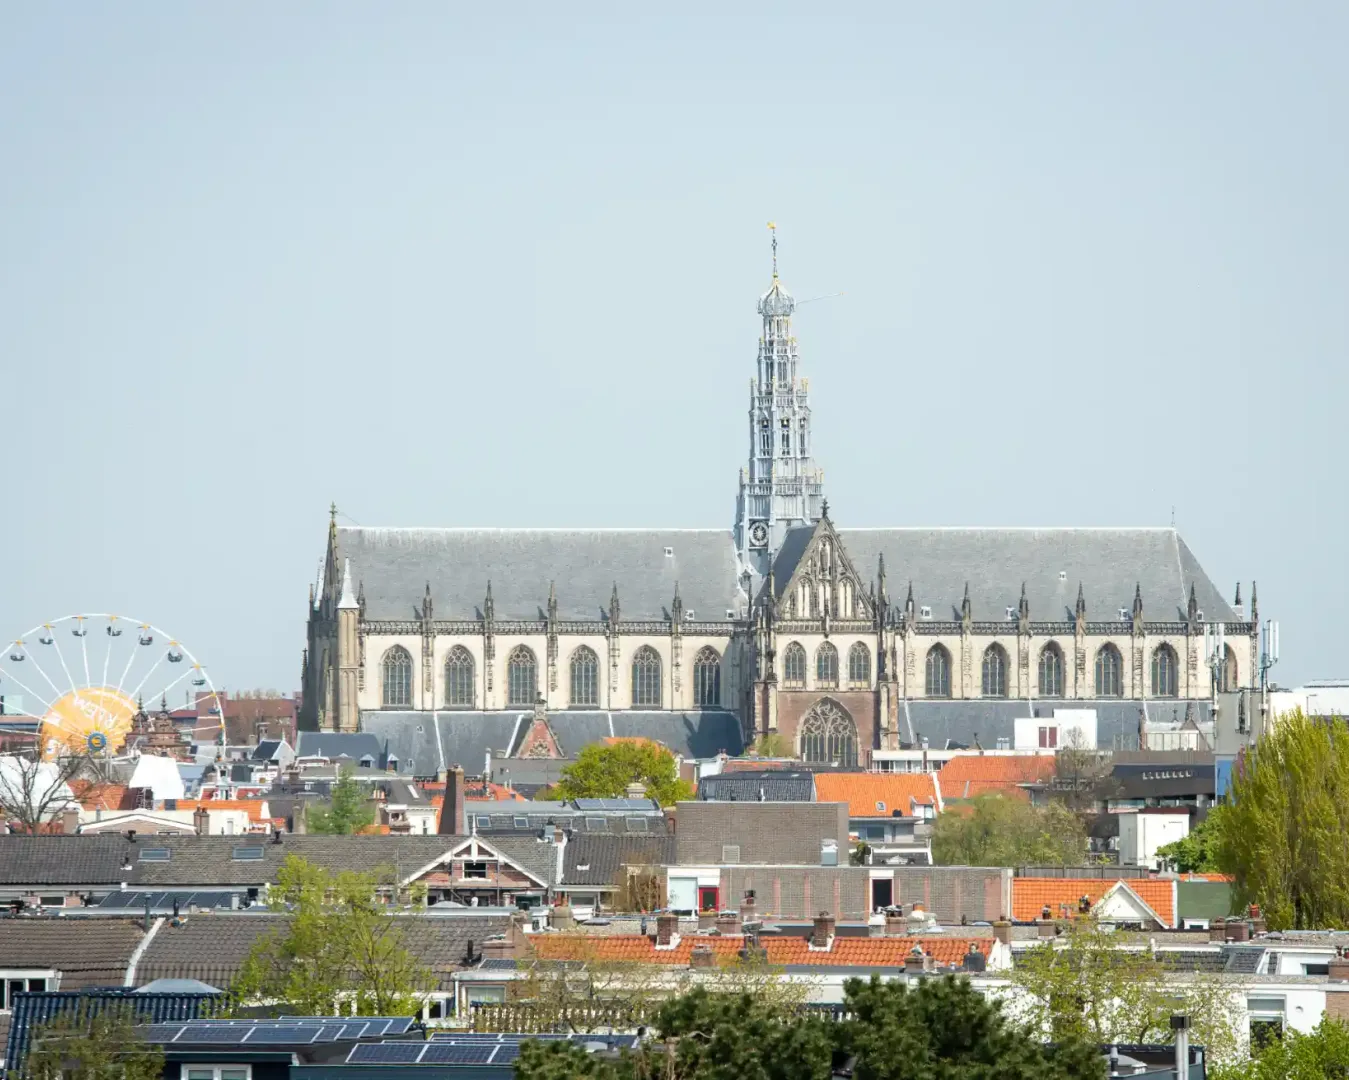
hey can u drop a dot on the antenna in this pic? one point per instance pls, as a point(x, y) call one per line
point(827, 296)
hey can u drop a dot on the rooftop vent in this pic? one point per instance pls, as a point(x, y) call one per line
point(1063, 575)
point(688, 615)
point(730, 613)
point(880, 807)
point(1124, 614)
point(669, 553)
point(1011, 614)
point(730, 854)
point(925, 612)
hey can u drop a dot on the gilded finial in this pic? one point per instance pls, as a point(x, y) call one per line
point(773, 228)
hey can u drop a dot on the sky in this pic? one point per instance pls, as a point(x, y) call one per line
point(443, 265)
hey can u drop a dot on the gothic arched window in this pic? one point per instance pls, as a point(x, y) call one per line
point(794, 667)
point(1109, 672)
point(1230, 677)
point(786, 437)
point(801, 441)
point(826, 667)
point(585, 677)
point(1164, 674)
point(646, 677)
point(765, 438)
point(459, 679)
point(938, 681)
point(995, 672)
point(859, 666)
point(522, 677)
point(828, 735)
point(1051, 671)
point(397, 681)
point(707, 678)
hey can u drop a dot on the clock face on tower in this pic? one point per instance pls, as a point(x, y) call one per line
point(758, 534)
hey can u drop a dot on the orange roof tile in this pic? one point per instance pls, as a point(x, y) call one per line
point(1030, 895)
point(845, 952)
point(94, 796)
point(254, 807)
point(968, 775)
point(876, 794)
point(1222, 878)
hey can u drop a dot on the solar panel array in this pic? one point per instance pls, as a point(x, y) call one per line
point(471, 1048)
point(288, 1031)
point(613, 804)
point(165, 899)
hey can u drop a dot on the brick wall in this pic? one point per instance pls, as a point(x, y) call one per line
point(861, 705)
point(781, 833)
point(979, 894)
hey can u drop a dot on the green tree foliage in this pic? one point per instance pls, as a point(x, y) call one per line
point(772, 745)
point(1085, 985)
point(944, 1028)
point(1195, 853)
point(93, 1041)
point(604, 771)
point(993, 830)
point(349, 809)
point(1316, 1055)
point(342, 944)
point(1282, 836)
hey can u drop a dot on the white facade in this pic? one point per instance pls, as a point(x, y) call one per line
point(1142, 832)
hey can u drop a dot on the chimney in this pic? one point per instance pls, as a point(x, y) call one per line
point(201, 821)
point(747, 908)
point(667, 930)
point(1338, 968)
point(507, 946)
point(1180, 1025)
point(702, 957)
point(1002, 931)
point(635, 790)
point(1237, 930)
point(728, 922)
point(1217, 929)
point(562, 918)
point(70, 820)
point(452, 809)
point(822, 937)
point(1257, 920)
point(916, 961)
point(895, 923)
point(1046, 928)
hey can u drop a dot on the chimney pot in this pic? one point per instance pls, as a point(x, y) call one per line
point(1217, 929)
point(1338, 969)
point(702, 957)
point(452, 820)
point(1046, 928)
point(667, 926)
point(1002, 931)
point(823, 932)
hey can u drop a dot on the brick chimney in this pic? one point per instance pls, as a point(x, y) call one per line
point(748, 910)
point(562, 917)
point(822, 937)
point(201, 821)
point(452, 809)
point(1002, 931)
point(702, 957)
point(1237, 930)
point(895, 923)
point(728, 922)
point(507, 946)
point(1257, 920)
point(916, 961)
point(1338, 968)
point(1217, 929)
point(667, 930)
point(70, 820)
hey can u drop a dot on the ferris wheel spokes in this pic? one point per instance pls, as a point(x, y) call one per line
point(83, 633)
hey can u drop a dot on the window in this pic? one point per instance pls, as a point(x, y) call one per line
point(11, 986)
point(786, 437)
point(1109, 672)
point(1230, 678)
point(154, 854)
point(829, 736)
point(826, 667)
point(483, 994)
point(938, 682)
point(475, 871)
point(1051, 671)
point(397, 670)
point(1049, 738)
point(859, 666)
point(794, 667)
point(585, 677)
point(707, 678)
point(1266, 1020)
point(801, 440)
point(1164, 671)
point(646, 677)
point(597, 824)
point(522, 682)
point(217, 1072)
point(765, 438)
point(995, 672)
point(459, 679)
point(252, 853)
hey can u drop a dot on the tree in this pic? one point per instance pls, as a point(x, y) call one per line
point(1282, 834)
point(995, 830)
point(1195, 852)
point(604, 771)
point(1085, 985)
point(1083, 775)
point(349, 808)
point(341, 949)
point(1321, 1053)
point(94, 1040)
point(772, 745)
point(34, 791)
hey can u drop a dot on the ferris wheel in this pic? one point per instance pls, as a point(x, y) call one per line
point(77, 683)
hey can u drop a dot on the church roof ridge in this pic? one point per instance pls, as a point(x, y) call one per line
point(1011, 528)
point(533, 529)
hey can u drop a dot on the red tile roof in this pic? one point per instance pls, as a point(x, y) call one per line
point(845, 951)
point(94, 796)
point(876, 794)
point(1030, 895)
point(968, 775)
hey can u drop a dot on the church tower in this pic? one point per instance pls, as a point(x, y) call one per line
point(782, 486)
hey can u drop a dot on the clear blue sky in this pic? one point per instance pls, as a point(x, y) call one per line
point(448, 268)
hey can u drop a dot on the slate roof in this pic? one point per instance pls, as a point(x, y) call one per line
point(877, 795)
point(985, 721)
point(599, 860)
point(862, 952)
point(1108, 563)
point(335, 744)
point(394, 567)
point(213, 948)
point(62, 860)
point(87, 952)
point(770, 785)
point(425, 743)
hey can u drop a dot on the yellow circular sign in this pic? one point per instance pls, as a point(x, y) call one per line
point(93, 720)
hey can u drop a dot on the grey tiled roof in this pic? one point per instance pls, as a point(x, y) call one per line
point(394, 567)
point(426, 743)
point(213, 948)
point(1108, 563)
point(87, 952)
point(335, 744)
point(62, 860)
point(771, 785)
point(599, 860)
point(987, 721)
point(1244, 961)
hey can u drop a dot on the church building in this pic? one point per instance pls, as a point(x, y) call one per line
point(450, 644)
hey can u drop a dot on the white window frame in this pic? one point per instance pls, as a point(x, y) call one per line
point(217, 1072)
point(27, 975)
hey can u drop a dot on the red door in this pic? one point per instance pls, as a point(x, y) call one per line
point(708, 898)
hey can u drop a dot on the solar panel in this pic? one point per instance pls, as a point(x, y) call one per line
point(212, 1034)
point(394, 1053)
point(398, 1025)
point(282, 1035)
point(506, 1052)
point(457, 1054)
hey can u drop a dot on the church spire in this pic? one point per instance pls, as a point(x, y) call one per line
point(348, 599)
point(782, 486)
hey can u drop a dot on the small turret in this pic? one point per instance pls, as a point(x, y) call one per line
point(552, 601)
point(1080, 611)
point(489, 608)
point(676, 607)
point(1192, 608)
point(965, 607)
point(613, 606)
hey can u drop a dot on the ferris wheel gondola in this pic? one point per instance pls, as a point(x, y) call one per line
point(88, 703)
